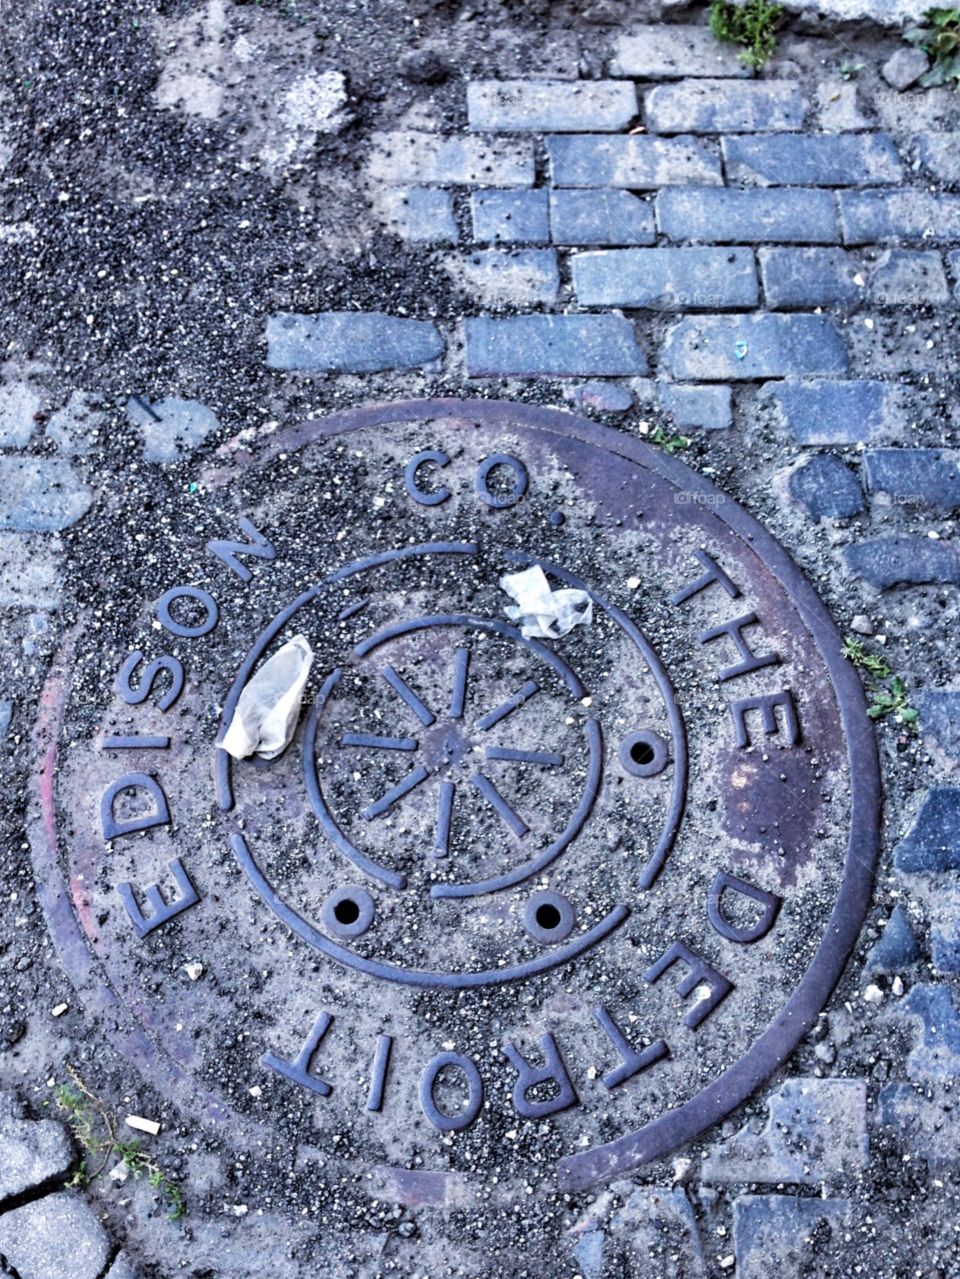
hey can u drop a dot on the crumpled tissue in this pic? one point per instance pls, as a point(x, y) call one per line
point(269, 706)
point(544, 613)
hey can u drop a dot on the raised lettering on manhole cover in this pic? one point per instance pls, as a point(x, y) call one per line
point(533, 907)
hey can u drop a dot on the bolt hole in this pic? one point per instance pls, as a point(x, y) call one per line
point(346, 911)
point(642, 753)
point(548, 917)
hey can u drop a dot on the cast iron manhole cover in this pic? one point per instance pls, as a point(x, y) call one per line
point(533, 907)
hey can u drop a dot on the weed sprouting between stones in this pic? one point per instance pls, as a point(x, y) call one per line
point(96, 1134)
point(940, 37)
point(753, 25)
point(888, 692)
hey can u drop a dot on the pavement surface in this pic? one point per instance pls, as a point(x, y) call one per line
point(219, 221)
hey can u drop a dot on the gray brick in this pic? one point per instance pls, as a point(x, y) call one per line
point(932, 845)
point(632, 160)
point(463, 160)
point(557, 345)
point(816, 1132)
point(904, 67)
point(665, 52)
point(720, 348)
point(504, 277)
point(827, 488)
point(821, 411)
point(19, 403)
point(903, 561)
point(919, 477)
point(896, 948)
point(544, 106)
point(604, 397)
point(55, 1237)
point(709, 408)
point(953, 262)
point(601, 217)
point(34, 1152)
point(666, 279)
point(171, 428)
point(839, 105)
point(350, 342)
point(40, 494)
point(768, 1230)
point(724, 106)
point(30, 571)
point(806, 278)
point(940, 716)
point(510, 217)
point(873, 217)
point(939, 153)
point(419, 215)
point(747, 217)
point(817, 159)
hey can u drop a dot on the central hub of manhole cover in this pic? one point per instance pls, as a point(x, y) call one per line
point(518, 898)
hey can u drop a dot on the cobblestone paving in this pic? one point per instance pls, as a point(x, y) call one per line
point(202, 237)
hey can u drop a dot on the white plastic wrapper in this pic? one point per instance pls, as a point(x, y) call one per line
point(542, 612)
point(269, 706)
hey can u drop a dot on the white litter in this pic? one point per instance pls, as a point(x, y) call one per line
point(143, 1125)
point(58, 1010)
point(544, 613)
point(269, 706)
point(193, 971)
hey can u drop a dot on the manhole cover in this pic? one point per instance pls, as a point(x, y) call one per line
point(532, 907)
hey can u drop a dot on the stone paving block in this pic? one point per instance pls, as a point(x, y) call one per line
point(30, 571)
point(666, 279)
point(904, 67)
point(896, 948)
point(939, 154)
point(666, 52)
point(940, 718)
point(719, 348)
point(900, 277)
point(779, 1235)
point(56, 1237)
point(6, 715)
point(660, 1230)
point(936, 1054)
point(932, 846)
point(876, 217)
point(40, 494)
point(604, 397)
point(632, 160)
point(953, 262)
point(34, 1151)
point(122, 1268)
point(350, 342)
point(710, 408)
point(827, 488)
point(588, 1254)
point(601, 217)
point(171, 428)
point(558, 345)
point(945, 947)
point(460, 160)
point(724, 106)
point(925, 1124)
point(839, 107)
point(903, 561)
point(917, 477)
point(544, 106)
point(509, 277)
point(824, 411)
point(419, 215)
point(747, 217)
point(510, 217)
point(816, 1132)
point(812, 159)
point(807, 278)
point(19, 405)
point(75, 427)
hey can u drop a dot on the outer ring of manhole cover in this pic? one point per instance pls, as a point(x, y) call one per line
point(563, 902)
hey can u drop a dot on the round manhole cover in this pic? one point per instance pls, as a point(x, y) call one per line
point(541, 888)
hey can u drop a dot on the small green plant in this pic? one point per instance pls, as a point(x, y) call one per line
point(753, 24)
point(885, 698)
point(96, 1134)
point(940, 37)
point(670, 443)
point(850, 70)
